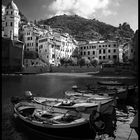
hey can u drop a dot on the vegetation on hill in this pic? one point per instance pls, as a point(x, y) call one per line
point(88, 29)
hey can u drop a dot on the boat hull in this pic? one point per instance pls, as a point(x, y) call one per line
point(68, 131)
point(109, 83)
point(83, 107)
point(76, 133)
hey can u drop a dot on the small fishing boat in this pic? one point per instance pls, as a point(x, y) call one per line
point(55, 122)
point(86, 105)
point(111, 83)
point(82, 104)
point(101, 92)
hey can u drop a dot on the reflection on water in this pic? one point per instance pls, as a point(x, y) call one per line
point(49, 86)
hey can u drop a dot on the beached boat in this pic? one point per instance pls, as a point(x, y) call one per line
point(82, 104)
point(111, 83)
point(55, 122)
point(86, 105)
point(104, 91)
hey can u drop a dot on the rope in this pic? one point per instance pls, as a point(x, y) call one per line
point(130, 134)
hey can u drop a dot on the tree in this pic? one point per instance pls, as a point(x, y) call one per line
point(62, 61)
point(94, 62)
point(81, 62)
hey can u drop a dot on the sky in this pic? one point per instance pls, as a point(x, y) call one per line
point(112, 12)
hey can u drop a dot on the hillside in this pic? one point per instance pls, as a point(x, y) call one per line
point(88, 29)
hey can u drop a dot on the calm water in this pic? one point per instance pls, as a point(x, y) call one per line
point(43, 85)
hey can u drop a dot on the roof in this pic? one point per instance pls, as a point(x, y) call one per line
point(11, 5)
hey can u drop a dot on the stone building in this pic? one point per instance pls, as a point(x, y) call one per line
point(11, 21)
point(103, 50)
point(12, 48)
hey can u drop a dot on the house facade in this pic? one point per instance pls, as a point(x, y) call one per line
point(103, 50)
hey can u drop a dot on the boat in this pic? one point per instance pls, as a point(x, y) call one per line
point(111, 83)
point(55, 122)
point(79, 104)
point(82, 104)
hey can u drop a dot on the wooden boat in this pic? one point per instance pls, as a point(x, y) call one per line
point(55, 122)
point(86, 105)
point(104, 92)
point(111, 83)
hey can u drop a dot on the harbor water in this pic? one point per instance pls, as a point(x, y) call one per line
point(47, 86)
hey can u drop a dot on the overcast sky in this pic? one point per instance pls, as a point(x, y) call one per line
point(109, 11)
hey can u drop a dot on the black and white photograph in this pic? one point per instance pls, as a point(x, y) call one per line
point(70, 70)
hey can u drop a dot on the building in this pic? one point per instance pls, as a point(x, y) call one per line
point(103, 50)
point(12, 55)
point(128, 51)
point(12, 48)
point(11, 21)
point(55, 45)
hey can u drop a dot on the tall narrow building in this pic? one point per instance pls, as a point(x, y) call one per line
point(12, 19)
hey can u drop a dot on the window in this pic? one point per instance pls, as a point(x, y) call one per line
point(88, 52)
point(99, 51)
point(103, 45)
point(81, 48)
point(84, 53)
point(11, 12)
point(114, 50)
point(100, 57)
point(93, 52)
point(108, 51)
point(53, 56)
point(6, 24)
point(103, 57)
point(114, 45)
point(7, 13)
point(114, 57)
point(81, 53)
point(84, 47)
point(108, 45)
point(89, 58)
point(99, 45)
point(41, 46)
point(11, 24)
point(109, 57)
point(104, 51)
point(131, 50)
